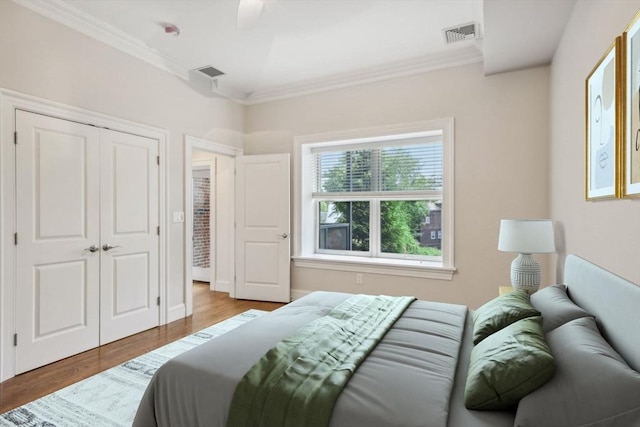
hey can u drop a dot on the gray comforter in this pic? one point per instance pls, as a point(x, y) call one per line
point(407, 380)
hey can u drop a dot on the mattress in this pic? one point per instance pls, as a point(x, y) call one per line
point(414, 377)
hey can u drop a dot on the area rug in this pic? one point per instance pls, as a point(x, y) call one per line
point(111, 398)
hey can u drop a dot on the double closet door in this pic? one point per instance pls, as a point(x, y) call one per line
point(87, 237)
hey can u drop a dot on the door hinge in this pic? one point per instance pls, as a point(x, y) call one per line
point(158, 160)
point(15, 238)
point(15, 137)
point(158, 230)
point(15, 340)
point(158, 300)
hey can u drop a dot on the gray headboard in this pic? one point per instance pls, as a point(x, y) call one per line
point(613, 300)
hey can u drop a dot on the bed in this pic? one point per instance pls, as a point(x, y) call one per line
point(416, 375)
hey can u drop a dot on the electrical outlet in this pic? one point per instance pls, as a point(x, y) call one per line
point(358, 278)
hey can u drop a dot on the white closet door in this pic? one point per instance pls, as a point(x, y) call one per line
point(58, 211)
point(81, 190)
point(129, 221)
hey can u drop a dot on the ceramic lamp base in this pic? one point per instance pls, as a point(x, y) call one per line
point(525, 273)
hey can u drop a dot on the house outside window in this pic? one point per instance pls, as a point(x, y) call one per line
point(432, 228)
point(383, 197)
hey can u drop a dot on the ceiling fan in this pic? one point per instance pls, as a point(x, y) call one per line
point(248, 13)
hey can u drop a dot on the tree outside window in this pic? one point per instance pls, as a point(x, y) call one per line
point(395, 182)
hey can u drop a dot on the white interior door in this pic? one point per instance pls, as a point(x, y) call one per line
point(262, 227)
point(129, 283)
point(58, 208)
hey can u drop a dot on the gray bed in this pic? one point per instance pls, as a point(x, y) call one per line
point(416, 375)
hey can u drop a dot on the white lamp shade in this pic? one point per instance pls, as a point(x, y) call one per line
point(526, 236)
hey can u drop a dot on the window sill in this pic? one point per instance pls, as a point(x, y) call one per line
point(391, 267)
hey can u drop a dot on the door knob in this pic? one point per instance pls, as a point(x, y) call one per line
point(284, 235)
point(107, 247)
point(93, 248)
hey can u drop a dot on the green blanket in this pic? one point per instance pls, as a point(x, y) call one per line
point(297, 382)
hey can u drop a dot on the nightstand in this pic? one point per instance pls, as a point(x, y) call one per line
point(504, 290)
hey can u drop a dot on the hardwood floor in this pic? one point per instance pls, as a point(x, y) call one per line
point(208, 308)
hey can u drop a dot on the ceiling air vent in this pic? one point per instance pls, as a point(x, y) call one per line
point(210, 72)
point(461, 32)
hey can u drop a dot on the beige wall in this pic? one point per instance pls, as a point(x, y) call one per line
point(501, 148)
point(604, 232)
point(502, 133)
point(43, 58)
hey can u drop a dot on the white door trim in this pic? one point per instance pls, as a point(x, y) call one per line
point(191, 143)
point(10, 101)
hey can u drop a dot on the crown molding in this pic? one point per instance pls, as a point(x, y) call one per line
point(425, 64)
point(66, 14)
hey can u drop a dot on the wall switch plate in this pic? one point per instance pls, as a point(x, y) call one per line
point(178, 217)
point(358, 278)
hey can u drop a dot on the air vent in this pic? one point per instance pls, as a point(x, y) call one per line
point(210, 72)
point(461, 32)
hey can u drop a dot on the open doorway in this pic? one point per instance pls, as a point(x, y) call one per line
point(202, 159)
point(203, 205)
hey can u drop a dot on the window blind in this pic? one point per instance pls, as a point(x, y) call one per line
point(379, 168)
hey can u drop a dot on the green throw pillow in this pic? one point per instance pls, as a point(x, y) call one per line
point(508, 365)
point(500, 312)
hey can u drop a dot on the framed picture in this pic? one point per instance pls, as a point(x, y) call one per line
point(602, 129)
point(630, 153)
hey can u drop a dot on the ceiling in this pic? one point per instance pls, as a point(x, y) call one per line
point(304, 46)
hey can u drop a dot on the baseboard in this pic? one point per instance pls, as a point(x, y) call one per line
point(201, 274)
point(176, 312)
point(297, 294)
point(222, 286)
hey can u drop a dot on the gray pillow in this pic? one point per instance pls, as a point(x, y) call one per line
point(500, 312)
point(592, 386)
point(508, 365)
point(556, 307)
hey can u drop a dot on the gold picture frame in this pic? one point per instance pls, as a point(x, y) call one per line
point(603, 130)
point(630, 151)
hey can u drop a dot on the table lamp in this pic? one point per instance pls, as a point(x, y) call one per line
point(526, 236)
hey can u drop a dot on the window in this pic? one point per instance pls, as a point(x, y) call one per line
point(378, 197)
point(343, 226)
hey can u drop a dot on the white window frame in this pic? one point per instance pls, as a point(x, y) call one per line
point(304, 212)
